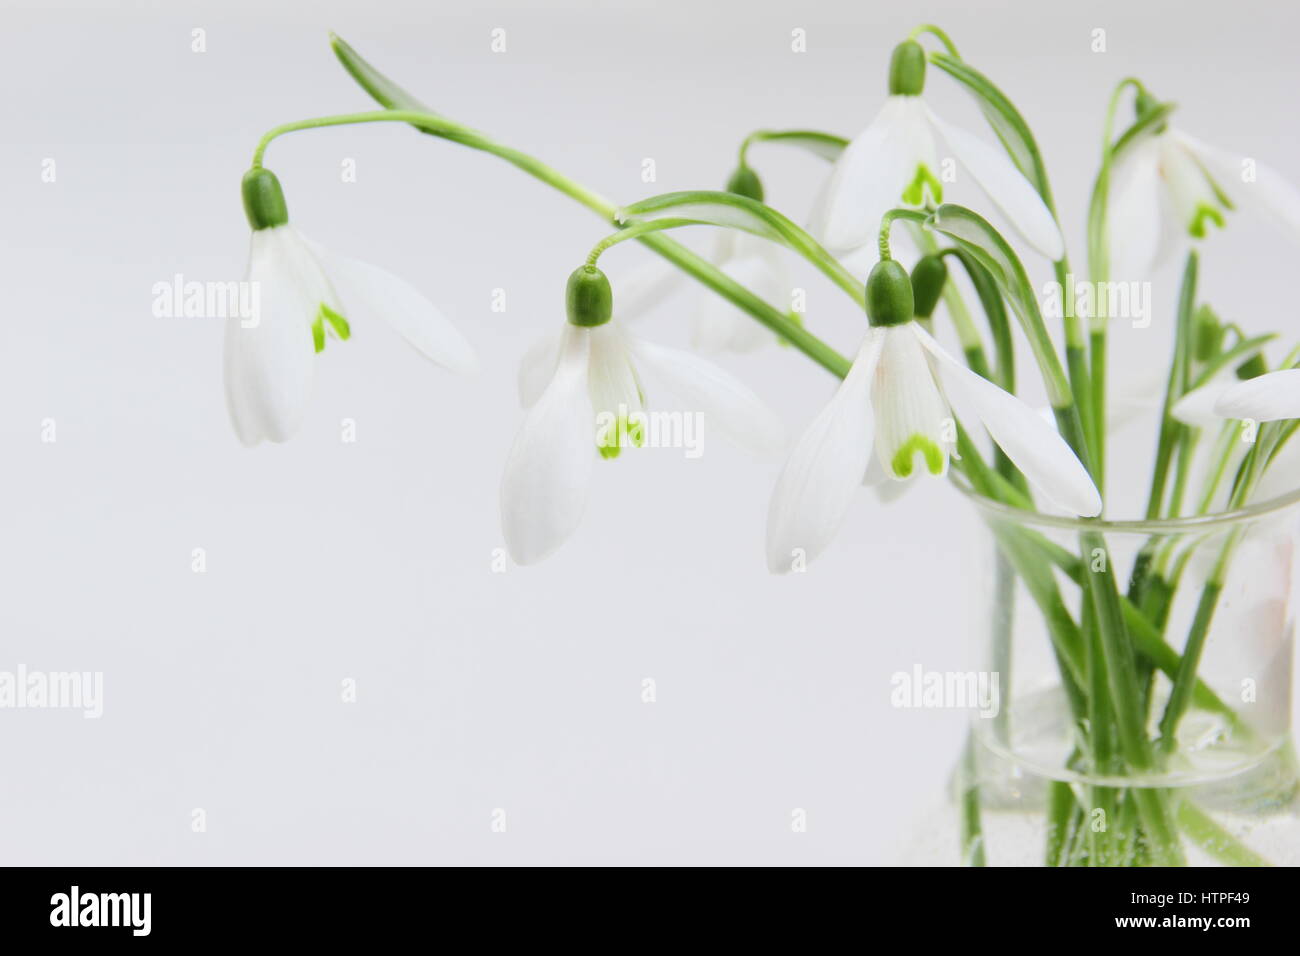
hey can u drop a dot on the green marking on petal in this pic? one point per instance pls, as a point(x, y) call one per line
point(338, 325)
point(636, 432)
point(1220, 196)
point(624, 431)
point(1205, 213)
point(914, 194)
point(932, 453)
point(318, 334)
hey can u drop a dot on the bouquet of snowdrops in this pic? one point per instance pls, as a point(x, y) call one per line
point(1127, 674)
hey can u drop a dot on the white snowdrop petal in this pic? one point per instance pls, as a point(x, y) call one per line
point(1014, 195)
point(1196, 408)
point(1033, 445)
point(825, 468)
point(725, 404)
point(872, 173)
point(614, 386)
point(369, 292)
point(1189, 187)
point(1135, 220)
point(537, 368)
point(911, 414)
point(722, 326)
point(1270, 397)
point(1247, 180)
point(544, 489)
point(269, 359)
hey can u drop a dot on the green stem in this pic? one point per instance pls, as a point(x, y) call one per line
point(674, 252)
point(972, 835)
point(936, 32)
point(887, 221)
point(1177, 382)
point(1218, 842)
point(828, 145)
point(1121, 679)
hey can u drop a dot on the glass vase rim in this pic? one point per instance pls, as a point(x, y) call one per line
point(1144, 526)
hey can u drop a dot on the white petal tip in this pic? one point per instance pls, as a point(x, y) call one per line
point(1270, 397)
point(1091, 506)
point(782, 560)
point(1054, 248)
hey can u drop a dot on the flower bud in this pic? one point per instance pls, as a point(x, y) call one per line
point(1207, 334)
point(907, 69)
point(928, 278)
point(745, 182)
point(588, 297)
point(1145, 104)
point(1253, 367)
point(889, 294)
point(263, 199)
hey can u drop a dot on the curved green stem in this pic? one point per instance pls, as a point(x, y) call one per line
point(731, 211)
point(939, 34)
point(635, 231)
point(389, 94)
point(826, 145)
point(341, 119)
point(887, 223)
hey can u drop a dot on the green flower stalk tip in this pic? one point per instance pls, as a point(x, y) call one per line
point(263, 199)
point(907, 69)
point(889, 294)
point(928, 278)
point(745, 182)
point(588, 297)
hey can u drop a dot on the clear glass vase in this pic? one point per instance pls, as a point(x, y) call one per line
point(1143, 674)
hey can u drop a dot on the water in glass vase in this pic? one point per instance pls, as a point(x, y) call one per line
point(1145, 672)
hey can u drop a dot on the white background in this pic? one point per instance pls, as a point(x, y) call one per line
point(372, 561)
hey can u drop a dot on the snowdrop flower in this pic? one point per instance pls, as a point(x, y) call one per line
point(755, 263)
point(1169, 186)
point(894, 401)
point(1200, 407)
point(587, 402)
point(1265, 398)
point(896, 160)
point(302, 291)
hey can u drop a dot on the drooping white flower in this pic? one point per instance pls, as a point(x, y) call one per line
point(1200, 407)
point(1270, 397)
point(895, 161)
point(587, 402)
point(893, 405)
point(302, 290)
point(1168, 187)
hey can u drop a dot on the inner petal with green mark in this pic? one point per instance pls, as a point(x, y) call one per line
point(615, 390)
point(611, 439)
point(1197, 199)
point(1203, 215)
point(923, 180)
point(327, 317)
point(934, 457)
point(912, 416)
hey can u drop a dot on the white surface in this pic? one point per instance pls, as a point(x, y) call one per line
point(372, 561)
